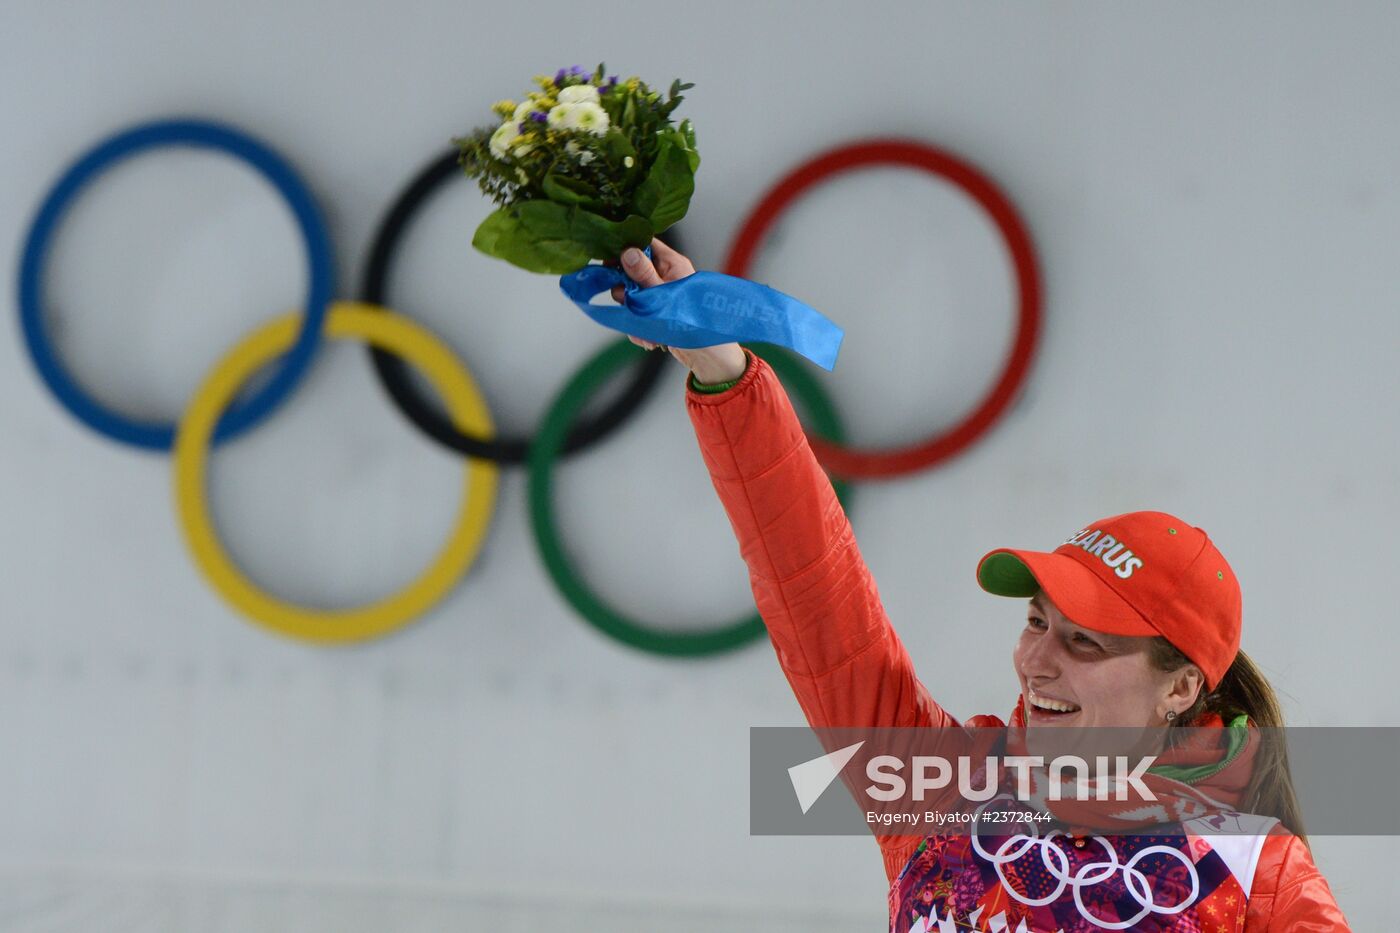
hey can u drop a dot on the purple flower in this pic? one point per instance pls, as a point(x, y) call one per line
point(539, 116)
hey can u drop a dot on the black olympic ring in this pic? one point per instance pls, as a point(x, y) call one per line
point(393, 372)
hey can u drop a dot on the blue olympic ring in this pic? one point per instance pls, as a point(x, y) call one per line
point(106, 154)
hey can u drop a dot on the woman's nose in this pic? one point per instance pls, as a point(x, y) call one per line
point(1039, 658)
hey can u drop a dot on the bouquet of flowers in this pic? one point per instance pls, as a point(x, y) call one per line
point(581, 169)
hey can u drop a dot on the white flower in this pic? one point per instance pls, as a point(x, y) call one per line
point(520, 173)
point(629, 161)
point(560, 117)
point(579, 94)
point(591, 118)
point(585, 117)
point(523, 111)
point(502, 139)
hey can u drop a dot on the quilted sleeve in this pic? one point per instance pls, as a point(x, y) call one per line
point(1289, 893)
point(818, 600)
point(833, 640)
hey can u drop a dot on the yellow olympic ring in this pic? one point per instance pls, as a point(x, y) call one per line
point(467, 409)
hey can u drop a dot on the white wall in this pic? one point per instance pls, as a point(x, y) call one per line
point(1213, 195)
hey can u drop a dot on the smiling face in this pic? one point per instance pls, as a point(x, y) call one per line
point(1074, 676)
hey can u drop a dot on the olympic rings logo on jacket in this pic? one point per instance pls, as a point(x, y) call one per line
point(395, 341)
point(1135, 882)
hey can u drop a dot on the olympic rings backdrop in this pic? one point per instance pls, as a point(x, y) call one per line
point(394, 342)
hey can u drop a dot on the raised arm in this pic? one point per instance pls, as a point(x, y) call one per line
point(833, 639)
point(846, 665)
point(817, 598)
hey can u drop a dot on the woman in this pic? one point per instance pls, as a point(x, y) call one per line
point(1134, 621)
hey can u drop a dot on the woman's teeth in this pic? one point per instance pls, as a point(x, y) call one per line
point(1054, 706)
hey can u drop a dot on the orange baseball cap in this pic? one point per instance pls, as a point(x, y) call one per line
point(1141, 573)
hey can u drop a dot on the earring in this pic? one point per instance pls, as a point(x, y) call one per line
point(1171, 715)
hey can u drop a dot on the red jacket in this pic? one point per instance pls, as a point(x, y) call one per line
point(833, 639)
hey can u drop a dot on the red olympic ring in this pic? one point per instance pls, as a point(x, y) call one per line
point(853, 463)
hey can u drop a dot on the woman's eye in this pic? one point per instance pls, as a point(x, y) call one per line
point(1035, 623)
point(1082, 639)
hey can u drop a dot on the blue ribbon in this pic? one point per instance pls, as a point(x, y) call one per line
point(705, 309)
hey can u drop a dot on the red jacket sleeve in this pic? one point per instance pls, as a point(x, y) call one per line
point(1289, 894)
point(818, 600)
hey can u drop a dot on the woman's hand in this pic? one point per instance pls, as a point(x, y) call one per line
point(721, 363)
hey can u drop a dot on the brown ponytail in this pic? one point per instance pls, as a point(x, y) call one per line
point(1245, 689)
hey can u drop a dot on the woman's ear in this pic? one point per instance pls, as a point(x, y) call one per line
point(1183, 688)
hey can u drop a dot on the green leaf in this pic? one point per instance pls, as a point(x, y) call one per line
point(687, 132)
point(544, 219)
point(543, 236)
point(498, 224)
point(568, 190)
point(618, 146)
point(606, 239)
point(534, 235)
point(648, 193)
point(663, 197)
